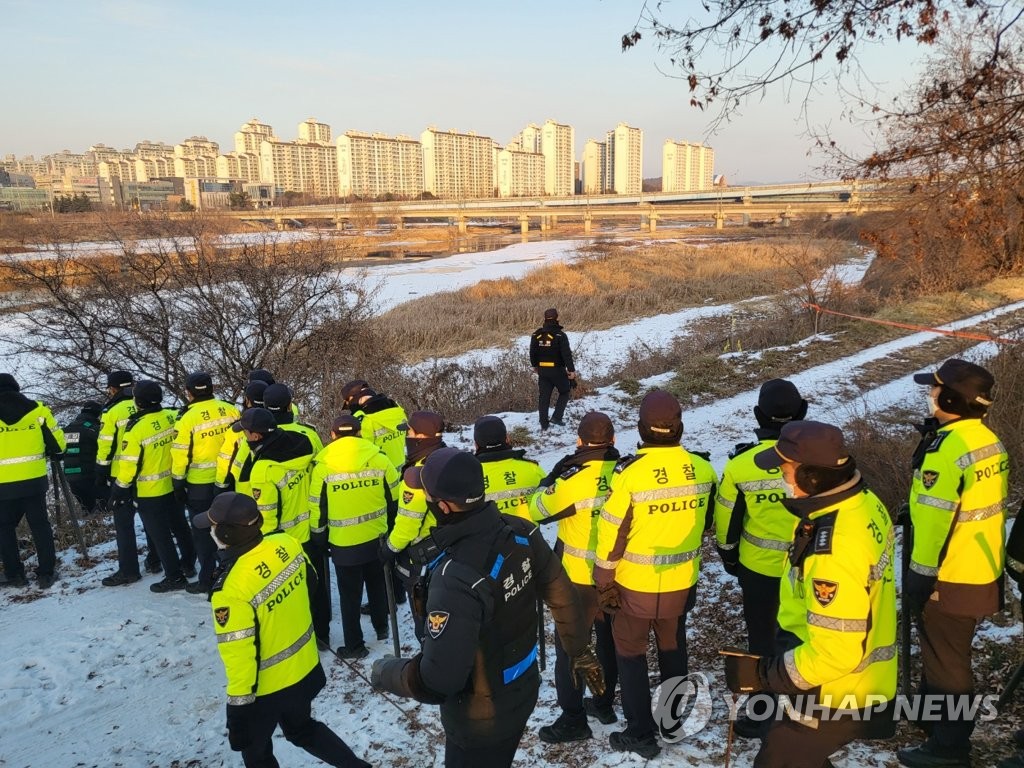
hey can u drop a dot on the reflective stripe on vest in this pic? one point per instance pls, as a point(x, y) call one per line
point(357, 520)
point(264, 594)
point(669, 493)
point(288, 652)
point(757, 541)
point(682, 557)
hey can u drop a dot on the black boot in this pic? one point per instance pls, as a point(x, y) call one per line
point(565, 729)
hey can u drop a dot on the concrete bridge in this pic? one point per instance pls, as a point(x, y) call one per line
point(777, 203)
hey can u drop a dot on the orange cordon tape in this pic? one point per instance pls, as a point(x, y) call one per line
point(959, 334)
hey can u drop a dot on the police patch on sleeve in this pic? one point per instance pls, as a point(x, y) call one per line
point(406, 497)
point(825, 591)
point(929, 478)
point(436, 622)
point(221, 615)
point(255, 494)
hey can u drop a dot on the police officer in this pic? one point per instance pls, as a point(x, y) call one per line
point(510, 479)
point(80, 455)
point(551, 360)
point(118, 408)
point(199, 435)
point(574, 492)
point(753, 528)
point(352, 487)
point(424, 432)
point(143, 483)
point(24, 446)
point(381, 418)
point(234, 445)
point(265, 638)
point(648, 559)
point(478, 659)
point(836, 655)
point(277, 399)
point(958, 512)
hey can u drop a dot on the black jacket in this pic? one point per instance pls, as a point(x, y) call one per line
point(479, 654)
point(549, 347)
point(80, 454)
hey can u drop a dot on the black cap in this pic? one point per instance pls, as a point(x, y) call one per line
point(277, 397)
point(92, 407)
point(970, 381)
point(119, 379)
point(779, 399)
point(661, 418)
point(230, 509)
point(453, 475)
point(261, 374)
point(148, 393)
point(354, 390)
point(258, 420)
point(423, 423)
point(806, 442)
point(490, 432)
point(346, 425)
point(199, 383)
point(551, 314)
point(596, 429)
point(8, 383)
point(254, 391)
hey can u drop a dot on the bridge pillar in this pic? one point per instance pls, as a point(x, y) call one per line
point(462, 225)
point(552, 222)
point(746, 219)
point(524, 224)
point(652, 221)
point(587, 221)
point(719, 220)
point(785, 219)
point(279, 224)
point(339, 223)
point(399, 222)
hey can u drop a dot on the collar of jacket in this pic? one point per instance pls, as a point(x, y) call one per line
point(551, 325)
point(805, 507)
point(282, 445)
point(231, 554)
point(761, 433)
point(377, 403)
point(472, 523)
point(587, 453)
point(14, 406)
point(422, 452)
point(500, 453)
point(125, 393)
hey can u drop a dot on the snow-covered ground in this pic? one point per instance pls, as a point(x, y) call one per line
point(95, 676)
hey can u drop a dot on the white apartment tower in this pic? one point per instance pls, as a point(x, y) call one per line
point(686, 167)
point(251, 135)
point(457, 165)
point(196, 157)
point(372, 165)
point(235, 165)
point(625, 160)
point(311, 131)
point(520, 173)
point(557, 144)
point(311, 168)
point(594, 168)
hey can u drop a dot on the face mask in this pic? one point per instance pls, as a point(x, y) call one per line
point(933, 406)
point(435, 508)
point(220, 544)
point(790, 490)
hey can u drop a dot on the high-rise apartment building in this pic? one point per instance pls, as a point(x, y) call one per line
point(196, 157)
point(557, 144)
point(251, 135)
point(625, 160)
point(457, 165)
point(372, 165)
point(239, 166)
point(520, 174)
point(312, 131)
point(311, 168)
point(686, 167)
point(594, 168)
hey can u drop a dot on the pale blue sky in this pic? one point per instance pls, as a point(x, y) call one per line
point(120, 71)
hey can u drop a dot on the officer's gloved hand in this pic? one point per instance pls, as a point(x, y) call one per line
point(730, 560)
point(1014, 572)
point(102, 483)
point(119, 498)
point(385, 553)
point(180, 492)
point(239, 736)
point(386, 673)
point(741, 671)
point(608, 598)
point(587, 669)
point(916, 591)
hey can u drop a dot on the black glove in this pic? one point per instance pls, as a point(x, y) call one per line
point(573, 383)
point(386, 673)
point(916, 591)
point(102, 483)
point(608, 598)
point(119, 497)
point(741, 671)
point(318, 541)
point(730, 560)
point(238, 726)
point(180, 492)
point(385, 553)
point(587, 669)
point(1013, 572)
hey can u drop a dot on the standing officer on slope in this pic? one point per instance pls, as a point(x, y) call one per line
point(265, 638)
point(479, 659)
point(958, 511)
point(551, 360)
point(510, 479)
point(23, 451)
point(648, 559)
point(753, 528)
point(836, 655)
point(80, 455)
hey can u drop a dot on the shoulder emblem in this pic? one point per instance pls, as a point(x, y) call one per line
point(825, 591)
point(937, 442)
point(741, 448)
point(124, 445)
point(824, 528)
point(256, 492)
point(407, 497)
point(624, 462)
point(566, 475)
point(436, 622)
point(221, 615)
point(929, 478)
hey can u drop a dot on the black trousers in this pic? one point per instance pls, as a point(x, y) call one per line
point(548, 380)
point(299, 727)
point(33, 509)
point(570, 697)
point(792, 745)
point(127, 547)
point(946, 670)
point(200, 497)
point(156, 513)
point(631, 634)
point(84, 489)
point(497, 755)
point(351, 579)
point(760, 610)
point(319, 591)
